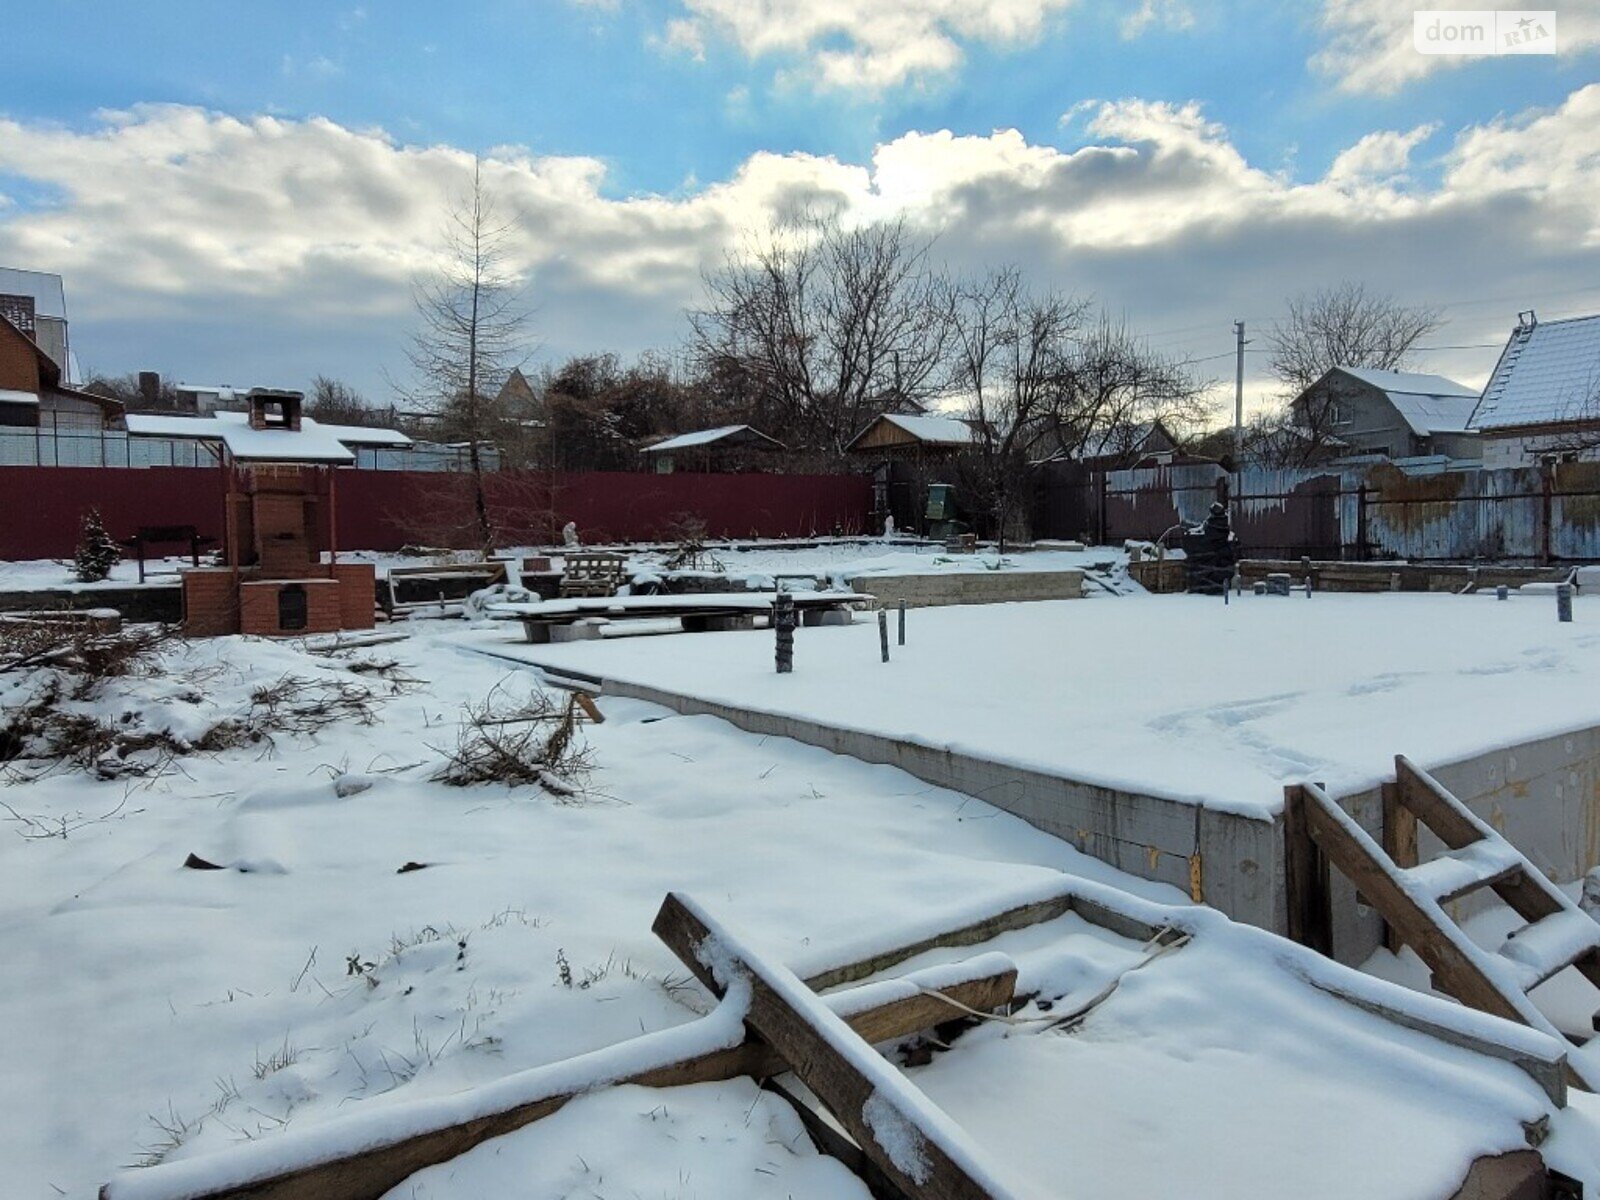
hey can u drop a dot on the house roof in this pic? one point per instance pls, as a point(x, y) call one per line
point(929, 430)
point(311, 443)
point(728, 435)
point(50, 372)
point(1427, 403)
point(48, 294)
point(1549, 373)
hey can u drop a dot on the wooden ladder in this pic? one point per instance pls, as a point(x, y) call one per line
point(1411, 895)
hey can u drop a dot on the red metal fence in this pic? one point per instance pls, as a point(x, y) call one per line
point(383, 510)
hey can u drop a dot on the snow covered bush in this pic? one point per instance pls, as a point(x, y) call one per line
point(96, 553)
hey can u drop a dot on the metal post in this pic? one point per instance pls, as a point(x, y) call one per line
point(1563, 602)
point(1238, 397)
point(902, 620)
point(783, 626)
point(883, 632)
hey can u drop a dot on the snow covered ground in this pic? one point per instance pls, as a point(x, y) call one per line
point(155, 1012)
point(1180, 696)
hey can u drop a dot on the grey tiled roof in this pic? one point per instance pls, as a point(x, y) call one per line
point(1548, 373)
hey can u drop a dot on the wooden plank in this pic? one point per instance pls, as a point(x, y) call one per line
point(974, 933)
point(590, 708)
point(921, 1156)
point(368, 1173)
point(1457, 827)
point(1514, 1175)
point(1548, 1071)
point(1399, 843)
point(1309, 915)
point(1454, 972)
point(835, 1143)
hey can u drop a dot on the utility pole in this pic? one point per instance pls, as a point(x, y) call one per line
point(1238, 398)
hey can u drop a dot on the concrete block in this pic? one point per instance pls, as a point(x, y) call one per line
point(730, 624)
point(578, 631)
point(825, 616)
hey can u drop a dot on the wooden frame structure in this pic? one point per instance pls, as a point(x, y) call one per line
point(770, 1022)
point(1410, 894)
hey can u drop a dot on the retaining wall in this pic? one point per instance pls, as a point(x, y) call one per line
point(970, 587)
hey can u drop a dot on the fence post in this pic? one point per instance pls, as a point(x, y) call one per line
point(1361, 521)
point(1547, 509)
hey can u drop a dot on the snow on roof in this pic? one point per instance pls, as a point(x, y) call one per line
point(48, 294)
point(1549, 372)
point(13, 396)
point(309, 443)
point(360, 435)
point(934, 431)
point(1412, 382)
point(743, 435)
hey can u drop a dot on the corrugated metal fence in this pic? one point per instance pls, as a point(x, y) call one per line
point(1530, 514)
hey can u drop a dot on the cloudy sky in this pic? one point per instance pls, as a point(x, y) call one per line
point(244, 193)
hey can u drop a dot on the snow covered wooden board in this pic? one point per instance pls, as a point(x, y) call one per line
point(920, 1149)
point(361, 1159)
point(665, 605)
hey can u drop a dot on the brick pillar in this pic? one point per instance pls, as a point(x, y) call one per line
point(210, 604)
point(357, 594)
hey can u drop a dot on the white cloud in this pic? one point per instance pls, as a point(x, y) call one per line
point(849, 45)
point(215, 244)
point(1171, 15)
point(1380, 157)
point(1368, 43)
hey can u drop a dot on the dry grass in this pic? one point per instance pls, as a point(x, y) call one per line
point(519, 742)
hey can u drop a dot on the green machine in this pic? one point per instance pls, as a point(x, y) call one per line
point(941, 514)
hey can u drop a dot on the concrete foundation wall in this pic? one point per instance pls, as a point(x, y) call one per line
point(970, 587)
point(1229, 861)
point(1544, 796)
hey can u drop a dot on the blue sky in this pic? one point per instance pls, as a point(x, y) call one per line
point(672, 101)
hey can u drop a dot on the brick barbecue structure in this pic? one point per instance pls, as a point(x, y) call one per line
point(280, 477)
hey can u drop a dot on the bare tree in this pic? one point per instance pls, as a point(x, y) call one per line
point(826, 326)
point(1011, 355)
point(472, 331)
point(1345, 326)
point(1113, 387)
point(1339, 326)
point(337, 403)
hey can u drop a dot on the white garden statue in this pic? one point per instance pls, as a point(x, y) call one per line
point(888, 527)
point(569, 534)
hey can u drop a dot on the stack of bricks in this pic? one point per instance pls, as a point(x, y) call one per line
point(358, 594)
